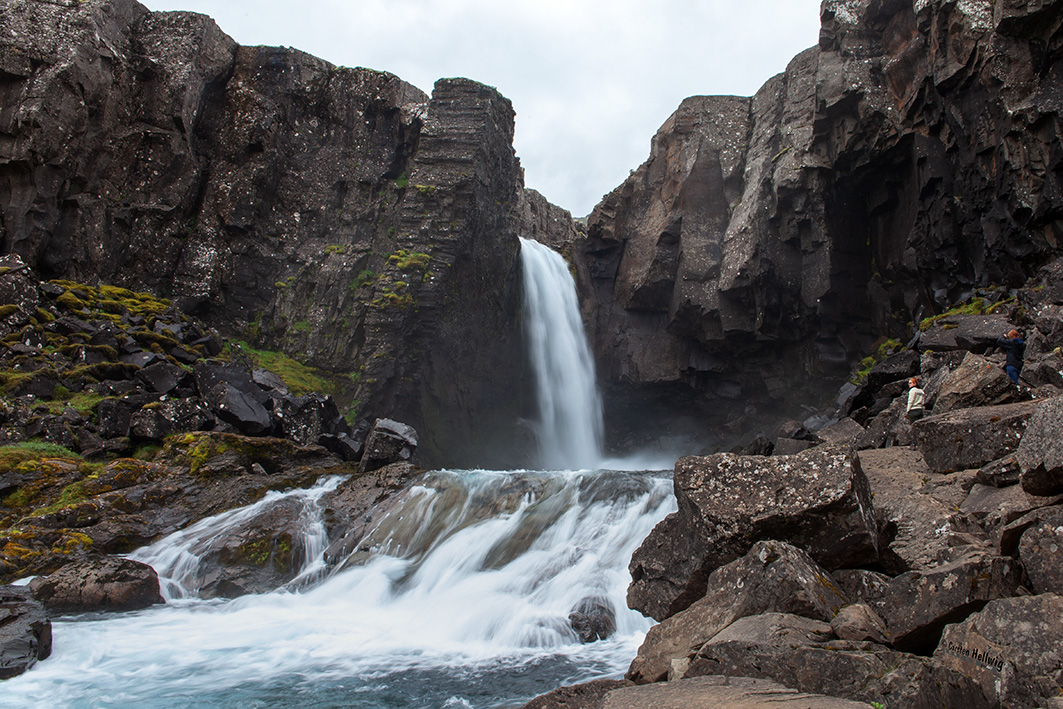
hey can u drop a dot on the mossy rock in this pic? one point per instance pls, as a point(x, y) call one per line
point(8, 310)
point(71, 302)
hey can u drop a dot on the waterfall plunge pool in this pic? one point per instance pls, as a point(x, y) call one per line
point(465, 604)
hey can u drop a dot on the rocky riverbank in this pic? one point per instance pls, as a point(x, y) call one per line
point(869, 559)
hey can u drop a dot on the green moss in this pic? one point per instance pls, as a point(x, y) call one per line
point(299, 378)
point(335, 249)
point(43, 316)
point(975, 306)
point(401, 181)
point(6, 310)
point(405, 260)
point(884, 350)
point(364, 278)
point(15, 455)
point(69, 301)
point(425, 189)
point(301, 326)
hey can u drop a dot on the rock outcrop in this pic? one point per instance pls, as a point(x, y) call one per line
point(907, 160)
point(340, 215)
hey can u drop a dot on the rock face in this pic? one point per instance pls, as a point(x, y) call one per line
point(108, 584)
point(887, 173)
point(338, 214)
point(818, 500)
point(25, 632)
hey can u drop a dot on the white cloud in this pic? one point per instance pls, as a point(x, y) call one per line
point(591, 80)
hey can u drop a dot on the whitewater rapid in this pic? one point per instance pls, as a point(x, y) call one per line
point(465, 604)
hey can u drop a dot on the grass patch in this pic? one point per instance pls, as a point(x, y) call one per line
point(884, 350)
point(13, 456)
point(300, 378)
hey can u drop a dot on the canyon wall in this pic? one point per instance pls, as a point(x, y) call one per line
point(337, 214)
point(768, 242)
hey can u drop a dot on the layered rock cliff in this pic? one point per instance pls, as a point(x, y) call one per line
point(767, 241)
point(338, 214)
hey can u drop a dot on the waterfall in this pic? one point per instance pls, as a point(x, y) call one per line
point(459, 596)
point(570, 409)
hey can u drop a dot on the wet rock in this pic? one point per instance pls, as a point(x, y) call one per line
point(305, 419)
point(1041, 552)
point(388, 442)
point(1012, 648)
point(772, 577)
point(976, 382)
point(98, 584)
point(720, 692)
point(588, 695)
point(1040, 454)
point(918, 604)
point(593, 619)
point(818, 500)
point(800, 653)
point(342, 445)
point(25, 631)
point(240, 408)
point(970, 438)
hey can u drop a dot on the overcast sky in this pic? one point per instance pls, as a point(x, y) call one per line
point(591, 80)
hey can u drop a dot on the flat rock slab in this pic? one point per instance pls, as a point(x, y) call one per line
point(970, 438)
point(773, 576)
point(1013, 647)
point(99, 584)
point(721, 693)
point(975, 333)
point(976, 382)
point(798, 652)
point(818, 500)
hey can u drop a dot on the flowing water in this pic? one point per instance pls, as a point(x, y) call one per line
point(459, 597)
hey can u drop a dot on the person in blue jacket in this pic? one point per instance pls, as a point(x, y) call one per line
point(1014, 347)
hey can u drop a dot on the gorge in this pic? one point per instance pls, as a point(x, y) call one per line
point(176, 210)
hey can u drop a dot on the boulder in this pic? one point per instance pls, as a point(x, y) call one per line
point(976, 382)
point(241, 409)
point(919, 523)
point(845, 431)
point(801, 653)
point(818, 500)
point(790, 446)
point(98, 584)
point(25, 631)
point(858, 622)
point(1013, 648)
point(994, 508)
point(970, 438)
point(974, 333)
point(388, 442)
point(18, 286)
point(772, 577)
point(1000, 473)
point(593, 619)
point(1041, 552)
point(305, 419)
point(159, 420)
point(861, 584)
point(918, 604)
point(717, 692)
point(1040, 454)
point(162, 377)
point(896, 367)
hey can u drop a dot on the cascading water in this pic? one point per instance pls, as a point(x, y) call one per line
point(570, 410)
point(467, 592)
point(462, 600)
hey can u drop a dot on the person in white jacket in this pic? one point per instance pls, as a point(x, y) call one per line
point(916, 400)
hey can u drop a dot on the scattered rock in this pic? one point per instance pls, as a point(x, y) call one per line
point(98, 584)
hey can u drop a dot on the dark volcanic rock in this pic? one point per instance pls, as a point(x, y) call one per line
point(773, 577)
point(800, 653)
point(593, 619)
point(98, 584)
point(818, 500)
point(388, 442)
point(1041, 552)
point(1040, 454)
point(25, 631)
point(1012, 648)
point(970, 438)
point(976, 382)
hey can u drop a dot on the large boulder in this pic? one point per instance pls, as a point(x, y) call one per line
point(920, 524)
point(964, 331)
point(98, 584)
point(772, 577)
point(818, 500)
point(976, 382)
point(970, 438)
point(1041, 552)
point(388, 442)
point(1013, 647)
point(25, 631)
point(588, 695)
point(994, 508)
point(918, 604)
point(1040, 454)
point(801, 653)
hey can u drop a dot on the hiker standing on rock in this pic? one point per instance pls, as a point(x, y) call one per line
point(916, 400)
point(1014, 347)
